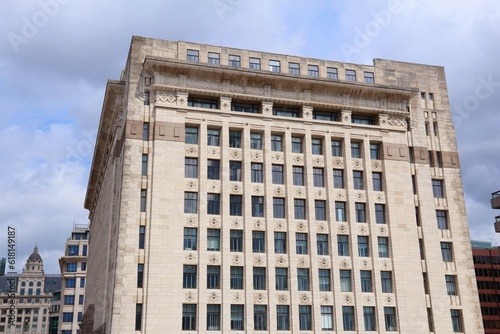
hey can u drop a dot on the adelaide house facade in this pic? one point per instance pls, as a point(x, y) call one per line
point(251, 192)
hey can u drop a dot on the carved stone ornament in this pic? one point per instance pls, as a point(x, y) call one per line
point(363, 229)
point(258, 189)
point(376, 165)
point(213, 222)
point(320, 194)
point(213, 296)
point(279, 191)
point(368, 299)
point(281, 261)
point(342, 228)
point(236, 188)
point(301, 226)
point(357, 163)
point(191, 185)
point(267, 109)
point(192, 150)
point(225, 104)
point(382, 230)
point(282, 298)
point(256, 156)
point(385, 264)
point(365, 263)
point(413, 124)
point(348, 299)
point(324, 262)
point(237, 259)
point(345, 264)
point(165, 97)
point(236, 223)
point(214, 186)
point(190, 257)
point(388, 300)
point(360, 196)
point(182, 100)
point(397, 121)
point(380, 198)
point(338, 162)
point(298, 159)
point(235, 153)
point(303, 262)
point(383, 119)
point(259, 297)
point(300, 192)
point(326, 299)
point(191, 220)
point(258, 260)
point(258, 224)
point(321, 227)
point(279, 225)
point(141, 96)
point(237, 297)
point(307, 113)
point(304, 298)
point(213, 152)
point(213, 258)
point(340, 195)
point(277, 157)
point(190, 296)
point(318, 161)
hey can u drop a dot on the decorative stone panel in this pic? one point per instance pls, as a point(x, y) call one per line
point(213, 152)
point(235, 154)
point(318, 161)
point(338, 162)
point(236, 188)
point(376, 165)
point(357, 164)
point(256, 156)
point(191, 150)
point(277, 157)
point(300, 192)
point(281, 261)
point(298, 159)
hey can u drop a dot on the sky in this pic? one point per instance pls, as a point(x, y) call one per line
point(56, 56)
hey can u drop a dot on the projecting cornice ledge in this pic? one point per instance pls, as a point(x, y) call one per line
point(111, 107)
point(225, 79)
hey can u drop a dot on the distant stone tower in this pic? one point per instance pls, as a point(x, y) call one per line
point(34, 264)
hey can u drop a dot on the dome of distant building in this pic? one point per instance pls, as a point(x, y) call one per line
point(35, 257)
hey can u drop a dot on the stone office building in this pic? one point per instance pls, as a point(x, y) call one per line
point(243, 191)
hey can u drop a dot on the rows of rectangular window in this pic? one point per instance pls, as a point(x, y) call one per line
point(483, 259)
point(302, 243)
point(297, 143)
point(74, 250)
point(68, 317)
point(70, 299)
point(191, 170)
point(254, 63)
point(279, 208)
point(487, 272)
point(279, 110)
point(72, 267)
point(72, 282)
point(283, 317)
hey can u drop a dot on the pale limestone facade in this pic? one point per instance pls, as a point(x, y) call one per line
point(73, 267)
point(140, 189)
